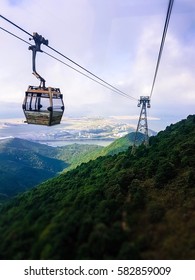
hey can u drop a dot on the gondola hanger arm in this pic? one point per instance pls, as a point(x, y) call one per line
point(38, 39)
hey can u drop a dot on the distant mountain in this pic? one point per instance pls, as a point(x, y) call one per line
point(123, 206)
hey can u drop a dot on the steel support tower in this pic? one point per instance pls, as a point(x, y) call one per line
point(142, 127)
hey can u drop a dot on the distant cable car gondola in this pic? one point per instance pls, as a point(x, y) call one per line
point(42, 105)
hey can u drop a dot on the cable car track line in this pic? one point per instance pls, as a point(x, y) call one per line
point(170, 6)
point(111, 87)
point(85, 75)
point(91, 73)
point(15, 36)
point(16, 25)
point(10, 33)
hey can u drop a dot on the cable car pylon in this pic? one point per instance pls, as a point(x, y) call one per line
point(142, 126)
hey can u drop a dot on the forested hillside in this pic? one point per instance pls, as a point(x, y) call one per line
point(121, 144)
point(77, 154)
point(24, 164)
point(124, 206)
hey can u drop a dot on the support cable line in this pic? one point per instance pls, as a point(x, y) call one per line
point(162, 43)
point(15, 36)
point(109, 86)
point(92, 74)
point(10, 33)
point(126, 96)
point(11, 22)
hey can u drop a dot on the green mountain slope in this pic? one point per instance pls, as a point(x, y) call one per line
point(24, 164)
point(76, 154)
point(121, 144)
point(116, 207)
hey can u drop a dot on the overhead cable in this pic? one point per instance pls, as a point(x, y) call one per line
point(64, 63)
point(15, 36)
point(162, 43)
point(109, 86)
point(16, 25)
point(126, 96)
point(116, 89)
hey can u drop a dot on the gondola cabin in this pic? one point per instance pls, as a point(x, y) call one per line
point(43, 106)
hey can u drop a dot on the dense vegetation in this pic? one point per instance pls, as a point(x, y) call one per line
point(125, 206)
point(76, 154)
point(121, 144)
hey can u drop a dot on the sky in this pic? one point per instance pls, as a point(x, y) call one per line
point(117, 40)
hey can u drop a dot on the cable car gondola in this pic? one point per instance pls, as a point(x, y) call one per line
point(42, 105)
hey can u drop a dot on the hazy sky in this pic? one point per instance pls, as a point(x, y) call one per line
point(118, 40)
